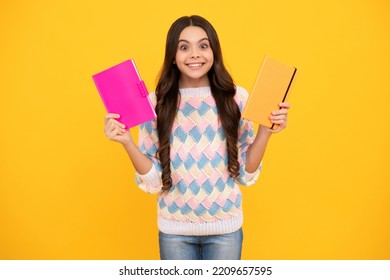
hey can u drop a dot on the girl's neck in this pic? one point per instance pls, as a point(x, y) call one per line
point(194, 83)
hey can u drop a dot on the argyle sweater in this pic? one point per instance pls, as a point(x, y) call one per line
point(204, 199)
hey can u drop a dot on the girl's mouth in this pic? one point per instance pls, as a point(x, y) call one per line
point(195, 65)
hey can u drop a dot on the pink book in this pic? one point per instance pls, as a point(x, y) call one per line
point(123, 92)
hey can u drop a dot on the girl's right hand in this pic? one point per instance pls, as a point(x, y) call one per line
point(115, 130)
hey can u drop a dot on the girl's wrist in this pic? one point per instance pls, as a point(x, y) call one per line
point(264, 131)
point(128, 143)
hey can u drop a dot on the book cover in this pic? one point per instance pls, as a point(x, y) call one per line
point(124, 92)
point(270, 88)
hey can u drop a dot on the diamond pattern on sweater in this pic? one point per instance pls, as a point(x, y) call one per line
point(195, 134)
point(210, 133)
point(194, 187)
point(200, 210)
point(176, 162)
point(186, 209)
point(187, 110)
point(202, 191)
point(180, 134)
point(207, 187)
point(203, 109)
point(173, 208)
point(181, 187)
point(216, 160)
point(189, 162)
point(202, 161)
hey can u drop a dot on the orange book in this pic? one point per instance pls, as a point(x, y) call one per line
point(270, 88)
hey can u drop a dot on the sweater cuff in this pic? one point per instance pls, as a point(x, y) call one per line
point(251, 178)
point(149, 182)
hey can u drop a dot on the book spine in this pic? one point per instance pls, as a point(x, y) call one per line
point(288, 88)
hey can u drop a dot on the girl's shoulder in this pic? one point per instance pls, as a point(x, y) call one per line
point(241, 97)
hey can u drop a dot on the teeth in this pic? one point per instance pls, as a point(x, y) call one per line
point(195, 64)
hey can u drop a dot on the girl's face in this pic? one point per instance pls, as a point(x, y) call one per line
point(194, 57)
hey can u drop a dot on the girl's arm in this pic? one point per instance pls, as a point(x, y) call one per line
point(116, 131)
point(141, 162)
point(256, 150)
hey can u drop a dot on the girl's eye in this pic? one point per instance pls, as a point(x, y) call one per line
point(204, 46)
point(183, 47)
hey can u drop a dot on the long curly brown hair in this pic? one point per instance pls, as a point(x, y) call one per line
point(168, 96)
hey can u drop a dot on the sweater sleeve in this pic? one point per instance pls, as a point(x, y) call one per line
point(148, 144)
point(246, 137)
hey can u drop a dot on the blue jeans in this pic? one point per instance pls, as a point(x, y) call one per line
point(209, 247)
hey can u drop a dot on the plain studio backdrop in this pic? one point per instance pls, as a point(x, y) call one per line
point(66, 192)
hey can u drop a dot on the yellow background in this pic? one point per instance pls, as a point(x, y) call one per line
point(66, 192)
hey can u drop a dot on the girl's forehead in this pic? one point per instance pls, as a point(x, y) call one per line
point(193, 33)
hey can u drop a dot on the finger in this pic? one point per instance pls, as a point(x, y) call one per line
point(285, 105)
point(111, 123)
point(121, 130)
point(111, 116)
point(278, 121)
point(118, 130)
point(114, 133)
point(279, 127)
point(114, 121)
point(111, 128)
point(119, 124)
point(278, 117)
point(280, 112)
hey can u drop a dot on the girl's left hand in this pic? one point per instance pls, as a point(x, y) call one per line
point(279, 117)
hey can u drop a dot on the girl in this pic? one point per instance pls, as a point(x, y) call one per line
point(198, 149)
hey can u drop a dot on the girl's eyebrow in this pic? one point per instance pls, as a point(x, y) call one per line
point(186, 41)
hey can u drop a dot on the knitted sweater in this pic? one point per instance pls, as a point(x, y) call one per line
point(204, 199)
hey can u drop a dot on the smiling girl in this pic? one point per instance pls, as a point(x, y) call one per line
point(198, 151)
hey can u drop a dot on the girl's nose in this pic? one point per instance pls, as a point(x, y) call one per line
point(195, 55)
